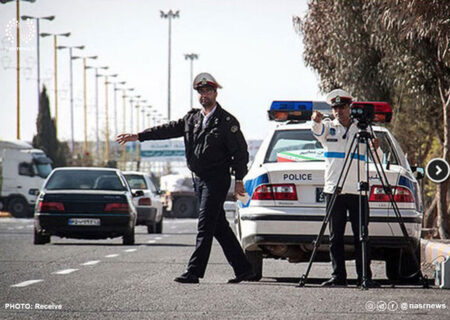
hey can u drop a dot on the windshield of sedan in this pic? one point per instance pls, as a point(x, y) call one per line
point(300, 146)
point(85, 180)
point(136, 181)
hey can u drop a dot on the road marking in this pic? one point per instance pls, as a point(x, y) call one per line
point(151, 241)
point(26, 283)
point(130, 250)
point(112, 255)
point(90, 263)
point(66, 271)
point(20, 227)
point(158, 238)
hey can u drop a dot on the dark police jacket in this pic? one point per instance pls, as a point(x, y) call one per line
point(209, 151)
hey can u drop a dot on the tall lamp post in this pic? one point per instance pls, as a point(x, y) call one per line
point(124, 108)
point(115, 103)
point(71, 58)
point(17, 60)
point(85, 147)
point(38, 51)
point(97, 139)
point(169, 15)
point(106, 76)
point(55, 45)
point(191, 57)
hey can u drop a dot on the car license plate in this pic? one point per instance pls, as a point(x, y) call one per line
point(84, 222)
point(320, 197)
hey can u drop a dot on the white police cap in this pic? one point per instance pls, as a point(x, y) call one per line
point(205, 79)
point(339, 97)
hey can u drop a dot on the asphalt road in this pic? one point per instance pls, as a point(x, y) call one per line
point(85, 279)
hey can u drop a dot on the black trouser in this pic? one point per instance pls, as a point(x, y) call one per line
point(338, 220)
point(211, 193)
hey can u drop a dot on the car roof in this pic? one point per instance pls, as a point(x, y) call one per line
point(87, 169)
point(135, 172)
point(307, 125)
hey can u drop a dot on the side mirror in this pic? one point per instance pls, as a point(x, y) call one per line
point(418, 172)
point(138, 193)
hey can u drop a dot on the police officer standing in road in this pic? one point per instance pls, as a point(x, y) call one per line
point(336, 137)
point(214, 143)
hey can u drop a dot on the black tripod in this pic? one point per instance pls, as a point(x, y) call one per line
point(362, 137)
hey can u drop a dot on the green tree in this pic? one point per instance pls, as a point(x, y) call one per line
point(45, 138)
point(395, 51)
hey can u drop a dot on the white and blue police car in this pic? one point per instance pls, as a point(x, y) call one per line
point(285, 207)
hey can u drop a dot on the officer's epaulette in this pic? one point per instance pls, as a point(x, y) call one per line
point(193, 110)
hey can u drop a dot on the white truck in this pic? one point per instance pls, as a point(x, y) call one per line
point(22, 172)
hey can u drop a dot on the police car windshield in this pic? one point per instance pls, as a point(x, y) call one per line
point(301, 146)
point(294, 146)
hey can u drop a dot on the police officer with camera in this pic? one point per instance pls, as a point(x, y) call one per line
point(214, 144)
point(336, 137)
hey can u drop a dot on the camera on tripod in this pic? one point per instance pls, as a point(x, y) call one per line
point(368, 112)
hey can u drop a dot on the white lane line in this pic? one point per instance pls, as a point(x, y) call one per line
point(151, 241)
point(130, 250)
point(90, 263)
point(19, 227)
point(26, 283)
point(66, 271)
point(158, 238)
point(112, 255)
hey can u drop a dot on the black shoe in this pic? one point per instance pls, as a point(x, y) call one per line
point(187, 278)
point(368, 284)
point(334, 282)
point(246, 276)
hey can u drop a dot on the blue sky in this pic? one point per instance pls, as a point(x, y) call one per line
point(250, 47)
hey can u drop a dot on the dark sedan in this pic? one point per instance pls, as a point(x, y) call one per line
point(85, 203)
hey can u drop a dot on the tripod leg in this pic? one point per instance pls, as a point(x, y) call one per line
point(329, 210)
point(363, 220)
point(388, 190)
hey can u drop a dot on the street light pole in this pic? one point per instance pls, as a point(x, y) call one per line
point(85, 147)
point(17, 61)
point(97, 139)
point(191, 57)
point(71, 58)
point(55, 45)
point(169, 15)
point(38, 51)
point(115, 104)
point(107, 117)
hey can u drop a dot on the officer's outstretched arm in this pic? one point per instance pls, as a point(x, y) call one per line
point(172, 129)
point(237, 147)
point(320, 128)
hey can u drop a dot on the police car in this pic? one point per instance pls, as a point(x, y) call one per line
point(285, 207)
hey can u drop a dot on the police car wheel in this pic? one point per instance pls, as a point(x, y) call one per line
point(256, 260)
point(401, 266)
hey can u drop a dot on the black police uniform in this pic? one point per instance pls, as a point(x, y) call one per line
point(210, 153)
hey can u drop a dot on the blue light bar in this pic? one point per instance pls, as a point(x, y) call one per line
point(291, 110)
point(292, 105)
